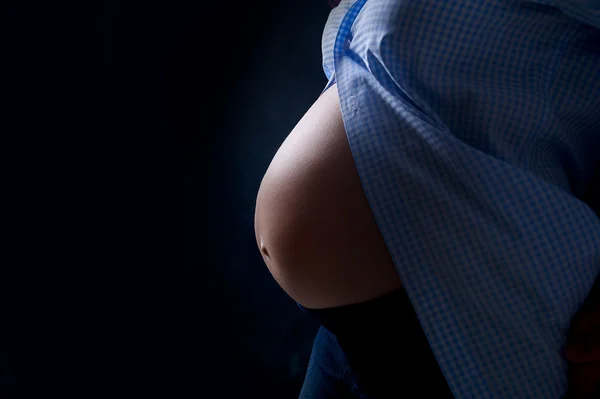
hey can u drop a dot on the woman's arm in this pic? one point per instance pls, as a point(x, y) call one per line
point(583, 349)
point(583, 340)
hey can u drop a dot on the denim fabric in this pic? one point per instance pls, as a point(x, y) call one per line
point(362, 352)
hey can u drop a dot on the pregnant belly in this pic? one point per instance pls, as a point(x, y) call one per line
point(313, 224)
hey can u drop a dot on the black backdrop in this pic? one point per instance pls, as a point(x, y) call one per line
point(134, 138)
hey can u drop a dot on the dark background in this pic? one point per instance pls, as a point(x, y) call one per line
point(134, 136)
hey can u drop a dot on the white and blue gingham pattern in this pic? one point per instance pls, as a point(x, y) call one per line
point(475, 128)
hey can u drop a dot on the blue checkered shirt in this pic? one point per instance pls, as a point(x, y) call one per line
point(475, 129)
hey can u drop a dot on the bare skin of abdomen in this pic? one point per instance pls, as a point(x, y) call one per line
point(313, 224)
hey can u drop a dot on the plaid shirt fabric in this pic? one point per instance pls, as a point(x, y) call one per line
point(475, 129)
